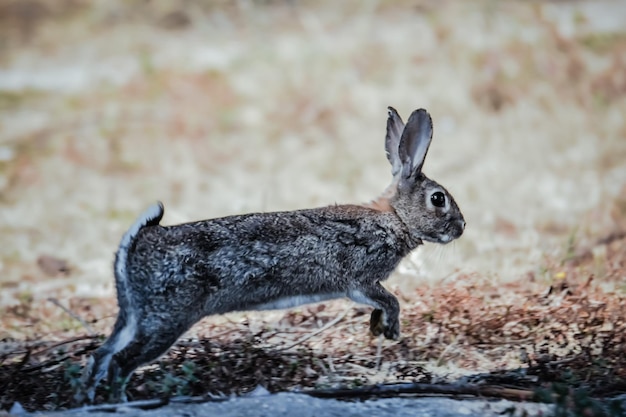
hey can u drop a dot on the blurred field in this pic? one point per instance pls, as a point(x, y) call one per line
point(227, 107)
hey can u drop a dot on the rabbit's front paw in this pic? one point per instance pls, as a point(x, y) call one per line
point(378, 325)
point(376, 322)
point(392, 331)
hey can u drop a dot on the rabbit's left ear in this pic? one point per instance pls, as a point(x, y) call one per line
point(414, 143)
point(395, 126)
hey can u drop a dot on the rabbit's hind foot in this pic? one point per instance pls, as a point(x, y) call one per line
point(148, 343)
point(98, 366)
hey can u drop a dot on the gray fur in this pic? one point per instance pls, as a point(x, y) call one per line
point(414, 142)
point(395, 127)
point(169, 277)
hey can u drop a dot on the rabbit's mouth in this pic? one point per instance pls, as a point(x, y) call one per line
point(445, 239)
point(452, 231)
point(456, 230)
point(439, 238)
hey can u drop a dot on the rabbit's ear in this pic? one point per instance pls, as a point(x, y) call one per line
point(414, 143)
point(395, 126)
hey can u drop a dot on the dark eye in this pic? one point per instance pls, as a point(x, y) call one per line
point(438, 199)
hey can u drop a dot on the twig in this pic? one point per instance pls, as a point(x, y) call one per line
point(505, 342)
point(316, 332)
point(542, 365)
point(64, 342)
point(359, 369)
point(22, 363)
point(147, 404)
point(379, 350)
point(58, 360)
point(493, 391)
point(141, 404)
point(73, 315)
point(445, 351)
point(607, 240)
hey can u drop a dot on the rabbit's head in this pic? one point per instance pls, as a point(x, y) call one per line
point(426, 208)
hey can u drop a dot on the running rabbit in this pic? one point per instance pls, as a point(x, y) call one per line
point(169, 277)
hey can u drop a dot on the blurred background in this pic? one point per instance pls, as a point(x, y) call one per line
point(225, 107)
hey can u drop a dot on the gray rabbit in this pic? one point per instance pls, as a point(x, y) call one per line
point(169, 277)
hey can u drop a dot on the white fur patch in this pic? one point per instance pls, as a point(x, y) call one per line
point(122, 340)
point(155, 211)
point(126, 335)
point(358, 297)
point(298, 300)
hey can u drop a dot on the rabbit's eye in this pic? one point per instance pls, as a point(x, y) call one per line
point(438, 199)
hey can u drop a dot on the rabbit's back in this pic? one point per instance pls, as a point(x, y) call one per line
point(266, 260)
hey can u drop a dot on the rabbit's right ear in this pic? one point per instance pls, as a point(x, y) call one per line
point(395, 126)
point(414, 143)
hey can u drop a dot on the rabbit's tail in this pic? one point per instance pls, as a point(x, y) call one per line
point(150, 217)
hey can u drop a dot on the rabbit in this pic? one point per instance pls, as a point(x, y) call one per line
point(169, 277)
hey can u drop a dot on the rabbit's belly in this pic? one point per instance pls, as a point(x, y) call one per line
point(296, 300)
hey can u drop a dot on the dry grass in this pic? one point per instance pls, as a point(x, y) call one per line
point(228, 107)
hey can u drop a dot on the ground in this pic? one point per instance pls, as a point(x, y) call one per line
point(224, 107)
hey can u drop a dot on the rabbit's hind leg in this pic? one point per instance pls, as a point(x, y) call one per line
point(98, 365)
point(385, 317)
point(148, 345)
